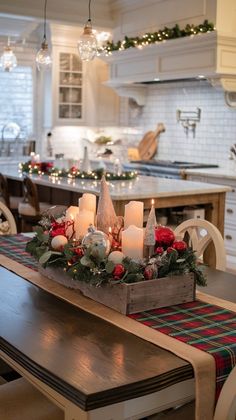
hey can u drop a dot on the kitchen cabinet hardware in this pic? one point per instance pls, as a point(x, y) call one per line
point(230, 211)
point(228, 237)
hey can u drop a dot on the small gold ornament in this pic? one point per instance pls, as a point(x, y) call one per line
point(96, 237)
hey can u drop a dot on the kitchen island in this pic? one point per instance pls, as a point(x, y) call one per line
point(166, 193)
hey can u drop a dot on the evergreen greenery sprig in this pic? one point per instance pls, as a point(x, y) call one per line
point(159, 36)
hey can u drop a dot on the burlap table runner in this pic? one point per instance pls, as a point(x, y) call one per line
point(202, 362)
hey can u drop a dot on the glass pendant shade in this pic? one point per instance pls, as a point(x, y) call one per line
point(43, 57)
point(8, 59)
point(87, 44)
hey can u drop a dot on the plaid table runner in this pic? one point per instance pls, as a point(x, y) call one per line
point(13, 246)
point(205, 326)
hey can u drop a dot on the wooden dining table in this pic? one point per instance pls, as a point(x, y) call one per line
point(87, 366)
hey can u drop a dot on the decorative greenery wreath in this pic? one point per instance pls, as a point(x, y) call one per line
point(97, 259)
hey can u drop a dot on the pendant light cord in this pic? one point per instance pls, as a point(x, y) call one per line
point(89, 9)
point(45, 20)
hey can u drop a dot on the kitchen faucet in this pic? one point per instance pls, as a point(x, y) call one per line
point(188, 120)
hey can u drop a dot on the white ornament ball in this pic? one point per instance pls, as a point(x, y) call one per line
point(116, 257)
point(58, 242)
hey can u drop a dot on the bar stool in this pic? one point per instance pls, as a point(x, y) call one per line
point(30, 209)
point(20, 400)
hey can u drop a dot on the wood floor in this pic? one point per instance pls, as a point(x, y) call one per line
point(185, 412)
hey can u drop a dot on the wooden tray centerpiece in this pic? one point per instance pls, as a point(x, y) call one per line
point(93, 261)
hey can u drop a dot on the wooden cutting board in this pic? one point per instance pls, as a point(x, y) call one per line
point(147, 147)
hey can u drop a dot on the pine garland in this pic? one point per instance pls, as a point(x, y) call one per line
point(159, 36)
point(42, 169)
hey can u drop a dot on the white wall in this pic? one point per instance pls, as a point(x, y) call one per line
point(215, 133)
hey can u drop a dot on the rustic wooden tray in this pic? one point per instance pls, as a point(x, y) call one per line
point(133, 297)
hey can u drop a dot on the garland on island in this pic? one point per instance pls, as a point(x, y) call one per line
point(159, 36)
point(47, 168)
point(97, 259)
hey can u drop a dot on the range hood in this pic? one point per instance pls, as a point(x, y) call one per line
point(211, 56)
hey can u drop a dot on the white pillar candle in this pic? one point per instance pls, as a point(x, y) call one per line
point(133, 214)
point(83, 220)
point(132, 242)
point(72, 212)
point(88, 202)
point(71, 216)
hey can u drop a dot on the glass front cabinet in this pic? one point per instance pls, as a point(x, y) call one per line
point(68, 98)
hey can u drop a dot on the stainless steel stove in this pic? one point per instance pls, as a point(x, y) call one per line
point(164, 168)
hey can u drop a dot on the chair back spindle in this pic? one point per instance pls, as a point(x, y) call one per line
point(201, 233)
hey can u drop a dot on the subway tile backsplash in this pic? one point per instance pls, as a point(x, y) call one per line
point(215, 133)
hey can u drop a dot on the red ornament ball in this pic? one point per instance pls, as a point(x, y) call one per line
point(180, 246)
point(118, 271)
point(170, 249)
point(79, 251)
point(159, 250)
point(57, 229)
point(164, 236)
point(148, 273)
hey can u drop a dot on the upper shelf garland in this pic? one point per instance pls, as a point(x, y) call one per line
point(159, 36)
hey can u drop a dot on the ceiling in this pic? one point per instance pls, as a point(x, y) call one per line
point(19, 18)
point(14, 26)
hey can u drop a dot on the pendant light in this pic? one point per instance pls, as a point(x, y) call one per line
point(43, 57)
point(8, 59)
point(87, 43)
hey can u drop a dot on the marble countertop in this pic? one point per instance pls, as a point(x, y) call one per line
point(140, 188)
point(227, 172)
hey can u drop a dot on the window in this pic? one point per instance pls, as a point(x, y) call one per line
point(16, 109)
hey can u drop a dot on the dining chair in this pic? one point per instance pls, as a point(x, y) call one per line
point(21, 400)
point(226, 404)
point(11, 201)
point(7, 221)
point(200, 233)
point(30, 209)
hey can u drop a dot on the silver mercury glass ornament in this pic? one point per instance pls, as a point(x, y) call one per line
point(98, 238)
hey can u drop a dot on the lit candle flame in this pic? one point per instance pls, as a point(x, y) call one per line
point(152, 202)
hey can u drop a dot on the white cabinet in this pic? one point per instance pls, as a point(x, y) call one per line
point(108, 101)
point(80, 96)
point(230, 214)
